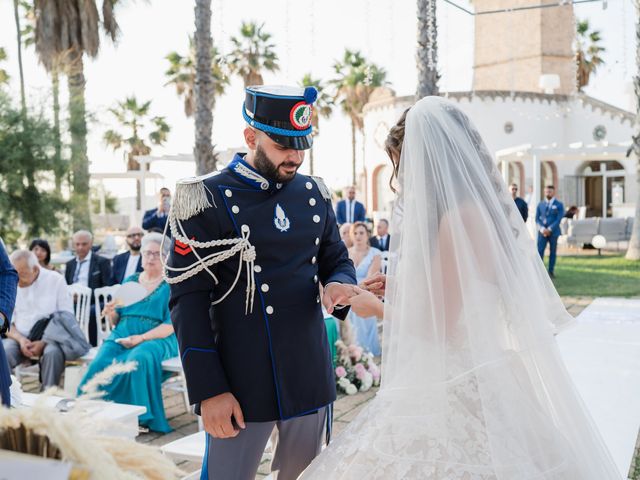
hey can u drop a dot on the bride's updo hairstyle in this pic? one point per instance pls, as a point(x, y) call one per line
point(393, 146)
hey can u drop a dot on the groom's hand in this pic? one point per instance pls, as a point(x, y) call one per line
point(337, 294)
point(216, 415)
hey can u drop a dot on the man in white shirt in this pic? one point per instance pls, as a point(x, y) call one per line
point(41, 293)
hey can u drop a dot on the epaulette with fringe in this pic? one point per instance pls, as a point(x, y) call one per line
point(191, 197)
point(324, 190)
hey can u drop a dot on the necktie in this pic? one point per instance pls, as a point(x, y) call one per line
point(76, 275)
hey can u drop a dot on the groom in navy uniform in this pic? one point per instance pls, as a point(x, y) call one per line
point(251, 246)
point(549, 213)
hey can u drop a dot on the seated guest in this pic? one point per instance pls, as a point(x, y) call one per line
point(42, 251)
point(345, 234)
point(155, 219)
point(128, 263)
point(367, 261)
point(89, 270)
point(382, 240)
point(143, 334)
point(41, 294)
point(571, 212)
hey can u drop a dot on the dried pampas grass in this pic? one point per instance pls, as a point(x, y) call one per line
point(43, 431)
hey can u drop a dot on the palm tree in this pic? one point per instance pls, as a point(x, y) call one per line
point(182, 75)
point(71, 28)
point(4, 76)
point(633, 252)
point(355, 81)
point(322, 107)
point(57, 65)
point(588, 52)
point(133, 118)
point(427, 53)
point(204, 88)
point(23, 101)
point(252, 54)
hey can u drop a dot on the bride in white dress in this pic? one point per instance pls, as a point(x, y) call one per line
point(473, 386)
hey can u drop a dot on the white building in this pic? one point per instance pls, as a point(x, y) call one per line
point(574, 142)
point(538, 137)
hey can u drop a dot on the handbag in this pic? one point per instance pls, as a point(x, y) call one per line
point(37, 331)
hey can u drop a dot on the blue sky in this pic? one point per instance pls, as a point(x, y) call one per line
point(309, 36)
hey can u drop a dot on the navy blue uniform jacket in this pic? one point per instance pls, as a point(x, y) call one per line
point(276, 360)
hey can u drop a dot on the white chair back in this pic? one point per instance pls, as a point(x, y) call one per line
point(82, 303)
point(384, 261)
point(103, 295)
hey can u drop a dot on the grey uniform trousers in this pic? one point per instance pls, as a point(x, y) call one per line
point(299, 442)
point(51, 361)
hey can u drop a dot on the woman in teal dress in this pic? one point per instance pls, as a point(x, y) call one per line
point(144, 335)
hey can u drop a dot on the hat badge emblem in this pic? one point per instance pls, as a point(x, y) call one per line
point(300, 115)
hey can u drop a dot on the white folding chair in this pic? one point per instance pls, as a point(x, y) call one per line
point(177, 381)
point(384, 261)
point(103, 295)
point(82, 303)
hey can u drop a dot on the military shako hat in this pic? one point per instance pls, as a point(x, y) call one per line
point(283, 113)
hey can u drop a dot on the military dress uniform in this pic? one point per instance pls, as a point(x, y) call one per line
point(247, 257)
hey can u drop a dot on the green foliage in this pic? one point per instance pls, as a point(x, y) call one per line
point(110, 202)
point(355, 81)
point(253, 52)
point(4, 76)
point(597, 276)
point(589, 52)
point(29, 202)
point(182, 74)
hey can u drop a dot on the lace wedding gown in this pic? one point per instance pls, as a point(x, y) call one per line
point(473, 386)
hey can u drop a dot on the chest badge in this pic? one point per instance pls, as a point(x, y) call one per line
point(280, 219)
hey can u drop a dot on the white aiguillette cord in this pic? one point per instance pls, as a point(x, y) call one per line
point(247, 254)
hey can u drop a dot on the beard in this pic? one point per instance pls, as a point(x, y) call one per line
point(267, 168)
point(135, 247)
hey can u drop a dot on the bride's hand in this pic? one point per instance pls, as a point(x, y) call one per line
point(375, 284)
point(366, 304)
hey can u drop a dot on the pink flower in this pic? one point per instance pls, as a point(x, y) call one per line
point(341, 372)
point(355, 352)
point(376, 376)
point(360, 371)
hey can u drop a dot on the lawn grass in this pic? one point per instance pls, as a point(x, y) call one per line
point(597, 276)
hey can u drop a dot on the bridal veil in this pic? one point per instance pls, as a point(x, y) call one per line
point(473, 385)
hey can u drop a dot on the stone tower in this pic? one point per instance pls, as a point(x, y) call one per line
point(512, 50)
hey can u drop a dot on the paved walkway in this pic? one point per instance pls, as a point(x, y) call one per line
point(346, 408)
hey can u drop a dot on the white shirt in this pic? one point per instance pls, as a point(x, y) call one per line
point(132, 265)
point(83, 276)
point(350, 207)
point(48, 294)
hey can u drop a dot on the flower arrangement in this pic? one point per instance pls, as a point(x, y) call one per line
point(355, 369)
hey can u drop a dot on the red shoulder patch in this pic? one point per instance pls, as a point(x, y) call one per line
point(182, 248)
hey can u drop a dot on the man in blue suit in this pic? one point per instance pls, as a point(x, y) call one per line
point(548, 215)
point(155, 219)
point(8, 288)
point(350, 210)
point(128, 263)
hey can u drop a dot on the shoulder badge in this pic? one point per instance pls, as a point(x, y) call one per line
point(191, 197)
point(324, 190)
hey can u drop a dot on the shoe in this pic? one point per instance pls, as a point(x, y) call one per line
point(552, 276)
